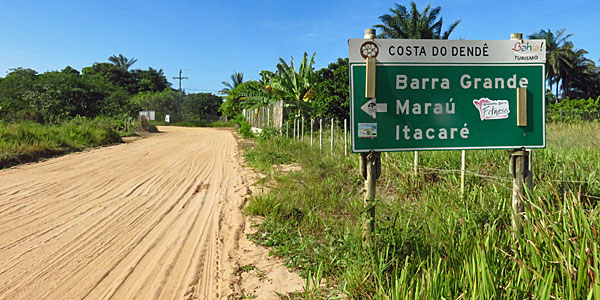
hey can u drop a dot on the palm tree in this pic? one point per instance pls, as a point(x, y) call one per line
point(404, 24)
point(236, 79)
point(122, 61)
point(557, 53)
point(579, 77)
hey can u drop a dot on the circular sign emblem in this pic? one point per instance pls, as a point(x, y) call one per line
point(369, 49)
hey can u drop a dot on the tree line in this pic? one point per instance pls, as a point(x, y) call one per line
point(325, 93)
point(107, 88)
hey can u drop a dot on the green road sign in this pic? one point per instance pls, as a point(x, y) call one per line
point(467, 102)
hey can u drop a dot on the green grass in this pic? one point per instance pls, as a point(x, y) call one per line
point(24, 141)
point(431, 241)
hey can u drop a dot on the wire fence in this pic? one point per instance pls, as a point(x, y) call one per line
point(565, 115)
point(266, 116)
point(334, 135)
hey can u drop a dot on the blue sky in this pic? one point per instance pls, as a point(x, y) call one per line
point(209, 40)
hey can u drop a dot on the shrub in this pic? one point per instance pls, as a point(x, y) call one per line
point(574, 110)
point(244, 128)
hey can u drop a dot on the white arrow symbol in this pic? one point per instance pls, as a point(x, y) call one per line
point(372, 108)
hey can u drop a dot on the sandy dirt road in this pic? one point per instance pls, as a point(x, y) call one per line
point(159, 218)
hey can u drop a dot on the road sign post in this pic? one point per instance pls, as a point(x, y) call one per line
point(448, 95)
point(413, 95)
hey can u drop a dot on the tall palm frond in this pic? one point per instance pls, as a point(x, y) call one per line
point(557, 53)
point(237, 78)
point(122, 61)
point(404, 24)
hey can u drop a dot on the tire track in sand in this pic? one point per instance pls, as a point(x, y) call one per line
point(135, 221)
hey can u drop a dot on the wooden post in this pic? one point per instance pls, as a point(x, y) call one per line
point(302, 129)
point(463, 169)
point(345, 139)
point(320, 134)
point(331, 134)
point(529, 178)
point(370, 162)
point(416, 163)
point(520, 170)
point(519, 161)
point(311, 132)
point(370, 170)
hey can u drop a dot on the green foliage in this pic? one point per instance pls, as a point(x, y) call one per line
point(26, 141)
point(165, 102)
point(405, 24)
point(15, 92)
point(111, 76)
point(268, 133)
point(295, 88)
point(574, 110)
point(244, 128)
point(101, 89)
point(331, 93)
point(122, 62)
point(432, 242)
point(235, 100)
point(201, 106)
point(150, 80)
point(64, 95)
point(237, 78)
point(266, 159)
point(568, 67)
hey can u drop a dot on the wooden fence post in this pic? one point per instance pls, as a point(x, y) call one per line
point(345, 139)
point(463, 169)
point(331, 134)
point(529, 177)
point(416, 163)
point(311, 132)
point(320, 134)
point(302, 129)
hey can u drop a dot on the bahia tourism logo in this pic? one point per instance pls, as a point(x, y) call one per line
point(528, 50)
point(492, 109)
point(369, 49)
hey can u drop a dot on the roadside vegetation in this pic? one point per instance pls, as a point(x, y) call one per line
point(431, 241)
point(56, 112)
point(27, 141)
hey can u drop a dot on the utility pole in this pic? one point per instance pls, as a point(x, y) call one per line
point(180, 78)
point(180, 92)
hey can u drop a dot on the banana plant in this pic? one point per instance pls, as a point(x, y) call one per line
point(295, 88)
